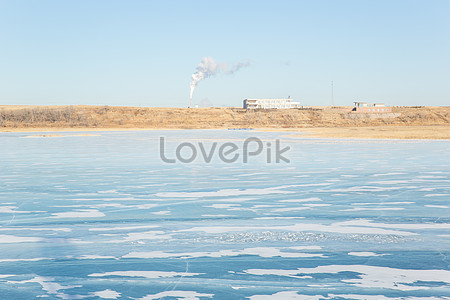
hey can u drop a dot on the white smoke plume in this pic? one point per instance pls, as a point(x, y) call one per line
point(238, 66)
point(209, 67)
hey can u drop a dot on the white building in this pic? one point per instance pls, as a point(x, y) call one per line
point(365, 104)
point(270, 103)
point(373, 108)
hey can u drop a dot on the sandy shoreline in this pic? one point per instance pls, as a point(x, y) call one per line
point(381, 132)
point(406, 122)
point(436, 132)
point(72, 129)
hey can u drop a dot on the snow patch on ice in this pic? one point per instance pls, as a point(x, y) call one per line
point(225, 192)
point(350, 227)
point(258, 251)
point(122, 228)
point(436, 206)
point(11, 239)
point(372, 208)
point(181, 295)
point(302, 200)
point(145, 274)
point(286, 295)
point(364, 254)
point(87, 256)
point(107, 294)
point(370, 276)
point(83, 213)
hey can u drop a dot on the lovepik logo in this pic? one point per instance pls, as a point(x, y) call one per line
point(227, 152)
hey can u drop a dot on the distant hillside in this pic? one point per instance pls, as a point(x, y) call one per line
point(57, 117)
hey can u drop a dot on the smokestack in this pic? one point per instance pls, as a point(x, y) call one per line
point(208, 67)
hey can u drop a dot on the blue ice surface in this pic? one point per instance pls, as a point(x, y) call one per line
point(99, 215)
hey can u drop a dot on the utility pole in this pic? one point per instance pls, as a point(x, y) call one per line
point(332, 96)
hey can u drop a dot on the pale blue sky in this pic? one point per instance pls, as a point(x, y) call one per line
point(144, 52)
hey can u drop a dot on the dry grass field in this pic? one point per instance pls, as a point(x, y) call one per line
point(404, 122)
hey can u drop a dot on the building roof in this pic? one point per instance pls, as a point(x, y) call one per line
point(255, 99)
point(365, 104)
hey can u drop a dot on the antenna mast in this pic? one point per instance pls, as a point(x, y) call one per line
point(332, 96)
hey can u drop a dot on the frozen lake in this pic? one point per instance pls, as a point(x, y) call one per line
point(103, 217)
